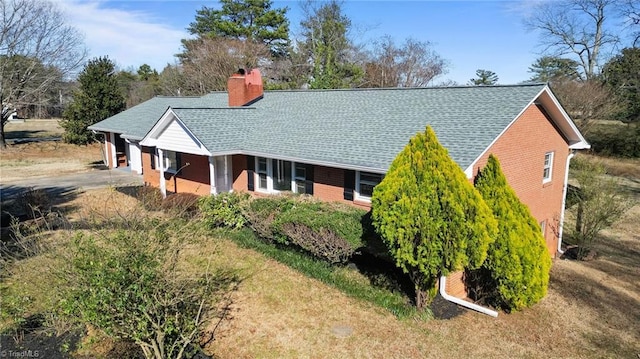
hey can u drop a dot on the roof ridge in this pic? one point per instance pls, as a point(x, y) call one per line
point(410, 88)
point(214, 108)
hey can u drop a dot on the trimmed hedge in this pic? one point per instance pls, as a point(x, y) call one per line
point(327, 230)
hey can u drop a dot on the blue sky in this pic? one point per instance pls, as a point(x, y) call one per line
point(470, 35)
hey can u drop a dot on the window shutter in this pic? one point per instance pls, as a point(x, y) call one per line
point(152, 156)
point(251, 165)
point(308, 184)
point(349, 184)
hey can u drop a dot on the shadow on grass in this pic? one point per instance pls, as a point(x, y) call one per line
point(32, 339)
point(617, 310)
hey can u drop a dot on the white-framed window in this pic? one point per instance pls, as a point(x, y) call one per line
point(543, 227)
point(262, 173)
point(365, 182)
point(275, 176)
point(300, 178)
point(170, 161)
point(548, 167)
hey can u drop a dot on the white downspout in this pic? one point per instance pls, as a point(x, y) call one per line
point(564, 201)
point(464, 303)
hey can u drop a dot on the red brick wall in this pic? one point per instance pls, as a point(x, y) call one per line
point(192, 179)
point(239, 168)
point(521, 150)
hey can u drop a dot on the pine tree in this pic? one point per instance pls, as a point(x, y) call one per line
point(516, 272)
point(430, 216)
point(98, 97)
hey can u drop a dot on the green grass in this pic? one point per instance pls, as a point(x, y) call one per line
point(335, 276)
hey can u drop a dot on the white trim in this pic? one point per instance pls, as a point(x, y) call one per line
point(564, 201)
point(163, 185)
point(270, 173)
point(549, 177)
point(151, 139)
point(356, 191)
point(580, 143)
point(212, 175)
point(114, 157)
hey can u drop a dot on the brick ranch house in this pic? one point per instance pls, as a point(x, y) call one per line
point(337, 144)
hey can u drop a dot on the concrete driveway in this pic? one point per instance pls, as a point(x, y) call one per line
point(72, 182)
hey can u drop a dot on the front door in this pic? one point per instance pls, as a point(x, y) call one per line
point(223, 171)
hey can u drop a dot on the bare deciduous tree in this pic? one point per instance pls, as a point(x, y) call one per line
point(586, 101)
point(207, 63)
point(37, 49)
point(576, 27)
point(413, 64)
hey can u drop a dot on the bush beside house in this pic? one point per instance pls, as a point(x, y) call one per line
point(515, 274)
point(329, 231)
point(431, 218)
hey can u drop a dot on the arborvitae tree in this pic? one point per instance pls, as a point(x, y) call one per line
point(430, 216)
point(98, 97)
point(516, 272)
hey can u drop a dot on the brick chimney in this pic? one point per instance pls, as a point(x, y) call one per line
point(244, 88)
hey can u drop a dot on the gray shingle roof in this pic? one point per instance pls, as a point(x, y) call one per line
point(354, 128)
point(134, 123)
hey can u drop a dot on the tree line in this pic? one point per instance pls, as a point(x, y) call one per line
point(581, 58)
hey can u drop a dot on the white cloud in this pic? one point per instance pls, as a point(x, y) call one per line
point(129, 38)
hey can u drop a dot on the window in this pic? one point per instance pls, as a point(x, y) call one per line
point(261, 170)
point(543, 227)
point(170, 161)
point(548, 167)
point(300, 178)
point(281, 171)
point(275, 175)
point(365, 181)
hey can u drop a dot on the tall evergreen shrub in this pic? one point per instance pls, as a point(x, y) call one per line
point(430, 216)
point(516, 272)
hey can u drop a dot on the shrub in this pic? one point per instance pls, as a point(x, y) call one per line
point(150, 197)
point(128, 284)
point(329, 231)
point(616, 140)
point(599, 203)
point(224, 210)
point(516, 272)
point(429, 215)
point(181, 204)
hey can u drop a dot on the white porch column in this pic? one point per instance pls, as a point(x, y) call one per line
point(114, 157)
point(163, 184)
point(212, 175)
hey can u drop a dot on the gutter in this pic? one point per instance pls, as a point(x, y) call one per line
point(464, 303)
point(564, 201)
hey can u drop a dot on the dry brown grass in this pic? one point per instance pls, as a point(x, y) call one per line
point(620, 167)
point(40, 159)
point(33, 129)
